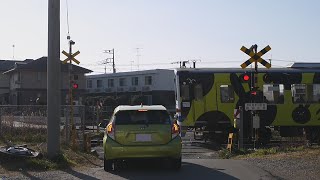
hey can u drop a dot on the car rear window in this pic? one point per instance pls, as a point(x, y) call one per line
point(142, 117)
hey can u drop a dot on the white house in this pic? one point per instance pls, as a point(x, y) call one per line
point(148, 87)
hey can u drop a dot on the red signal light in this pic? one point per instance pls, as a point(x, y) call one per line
point(254, 93)
point(75, 86)
point(246, 77)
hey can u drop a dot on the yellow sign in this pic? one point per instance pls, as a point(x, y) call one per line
point(70, 57)
point(230, 142)
point(255, 57)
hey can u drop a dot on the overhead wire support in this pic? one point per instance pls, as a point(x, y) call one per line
point(194, 62)
point(181, 63)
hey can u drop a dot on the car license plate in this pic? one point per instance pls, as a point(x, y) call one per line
point(143, 137)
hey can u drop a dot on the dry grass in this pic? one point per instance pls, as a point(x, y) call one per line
point(282, 153)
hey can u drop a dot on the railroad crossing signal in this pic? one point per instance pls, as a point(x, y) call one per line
point(70, 57)
point(255, 57)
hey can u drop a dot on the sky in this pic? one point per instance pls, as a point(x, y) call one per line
point(153, 34)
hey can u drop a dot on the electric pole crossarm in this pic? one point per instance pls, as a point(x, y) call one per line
point(113, 64)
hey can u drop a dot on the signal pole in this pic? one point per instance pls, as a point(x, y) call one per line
point(255, 57)
point(73, 129)
point(255, 75)
point(70, 58)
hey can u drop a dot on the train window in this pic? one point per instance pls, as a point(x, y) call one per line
point(299, 93)
point(227, 94)
point(306, 93)
point(274, 93)
point(185, 93)
point(316, 93)
point(198, 93)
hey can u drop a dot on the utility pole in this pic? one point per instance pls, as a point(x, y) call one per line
point(111, 51)
point(138, 56)
point(13, 46)
point(131, 62)
point(53, 84)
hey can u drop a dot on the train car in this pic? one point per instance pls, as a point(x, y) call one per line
point(206, 99)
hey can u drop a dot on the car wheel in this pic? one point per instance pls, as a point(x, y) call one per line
point(107, 165)
point(176, 163)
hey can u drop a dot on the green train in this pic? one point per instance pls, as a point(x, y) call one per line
point(206, 99)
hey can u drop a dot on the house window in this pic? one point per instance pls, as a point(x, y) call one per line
point(227, 94)
point(19, 76)
point(148, 80)
point(99, 83)
point(89, 83)
point(274, 93)
point(38, 76)
point(110, 82)
point(122, 82)
point(135, 81)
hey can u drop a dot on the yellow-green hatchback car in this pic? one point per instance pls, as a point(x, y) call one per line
point(141, 132)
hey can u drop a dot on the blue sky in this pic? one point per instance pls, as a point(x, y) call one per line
point(165, 31)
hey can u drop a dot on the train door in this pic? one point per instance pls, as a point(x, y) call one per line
point(226, 99)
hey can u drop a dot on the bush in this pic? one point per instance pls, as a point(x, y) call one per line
point(225, 154)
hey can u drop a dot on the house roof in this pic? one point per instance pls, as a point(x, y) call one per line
point(5, 65)
point(40, 65)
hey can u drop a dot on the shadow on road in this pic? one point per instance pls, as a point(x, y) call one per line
point(158, 171)
point(208, 145)
point(79, 175)
point(27, 174)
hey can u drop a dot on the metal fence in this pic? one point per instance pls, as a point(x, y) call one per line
point(28, 123)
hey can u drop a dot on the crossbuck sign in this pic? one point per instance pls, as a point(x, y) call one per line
point(255, 57)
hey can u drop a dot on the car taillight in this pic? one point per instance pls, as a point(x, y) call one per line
point(175, 130)
point(110, 130)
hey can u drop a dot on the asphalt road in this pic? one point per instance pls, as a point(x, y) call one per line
point(199, 160)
